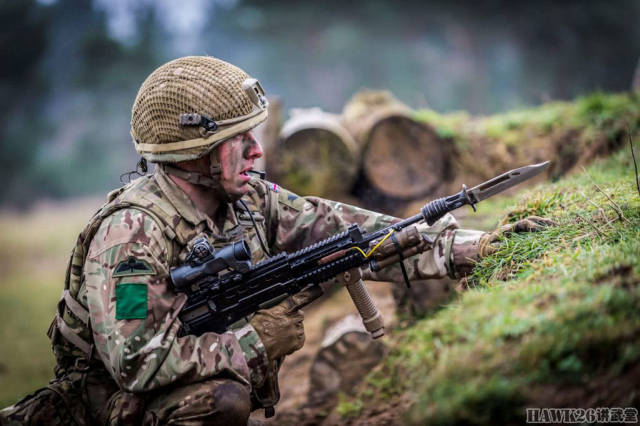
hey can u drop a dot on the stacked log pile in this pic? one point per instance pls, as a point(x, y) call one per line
point(374, 150)
point(382, 155)
point(399, 156)
point(316, 155)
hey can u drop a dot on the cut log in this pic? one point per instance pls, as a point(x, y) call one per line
point(316, 155)
point(401, 157)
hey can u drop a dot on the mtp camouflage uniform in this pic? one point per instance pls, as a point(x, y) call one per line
point(133, 354)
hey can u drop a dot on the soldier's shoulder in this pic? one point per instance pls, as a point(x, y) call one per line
point(130, 217)
point(137, 186)
point(147, 195)
point(126, 225)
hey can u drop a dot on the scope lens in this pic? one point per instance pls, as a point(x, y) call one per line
point(241, 250)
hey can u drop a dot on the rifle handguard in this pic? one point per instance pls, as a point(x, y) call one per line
point(370, 314)
point(408, 240)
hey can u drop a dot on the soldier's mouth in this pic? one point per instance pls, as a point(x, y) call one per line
point(245, 175)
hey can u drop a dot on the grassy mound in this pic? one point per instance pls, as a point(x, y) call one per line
point(572, 133)
point(550, 320)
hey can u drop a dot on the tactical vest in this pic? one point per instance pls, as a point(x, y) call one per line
point(70, 330)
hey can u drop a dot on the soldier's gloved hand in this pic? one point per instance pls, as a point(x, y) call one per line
point(528, 224)
point(488, 242)
point(280, 327)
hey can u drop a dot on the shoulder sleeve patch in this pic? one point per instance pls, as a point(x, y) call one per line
point(131, 301)
point(290, 199)
point(133, 266)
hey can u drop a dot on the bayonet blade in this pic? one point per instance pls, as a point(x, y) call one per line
point(505, 181)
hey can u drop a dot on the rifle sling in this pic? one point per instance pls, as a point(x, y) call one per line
point(72, 337)
point(402, 268)
point(75, 307)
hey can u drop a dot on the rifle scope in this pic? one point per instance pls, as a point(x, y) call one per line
point(208, 262)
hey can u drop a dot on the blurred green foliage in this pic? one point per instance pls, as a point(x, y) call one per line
point(70, 86)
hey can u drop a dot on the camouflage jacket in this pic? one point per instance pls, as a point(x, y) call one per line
point(149, 226)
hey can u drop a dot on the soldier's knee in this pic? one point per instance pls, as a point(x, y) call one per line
point(232, 403)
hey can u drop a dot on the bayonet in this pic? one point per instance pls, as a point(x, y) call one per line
point(438, 208)
point(505, 181)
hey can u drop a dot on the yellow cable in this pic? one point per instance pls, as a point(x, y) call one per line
point(360, 250)
point(366, 256)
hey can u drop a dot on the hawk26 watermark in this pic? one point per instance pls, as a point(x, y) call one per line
point(582, 415)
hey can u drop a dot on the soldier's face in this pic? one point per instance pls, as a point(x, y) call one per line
point(237, 156)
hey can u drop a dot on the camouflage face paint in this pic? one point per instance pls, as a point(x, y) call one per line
point(236, 159)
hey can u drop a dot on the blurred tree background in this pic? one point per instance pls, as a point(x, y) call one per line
point(71, 68)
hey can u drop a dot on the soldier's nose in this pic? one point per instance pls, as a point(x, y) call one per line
point(254, 150)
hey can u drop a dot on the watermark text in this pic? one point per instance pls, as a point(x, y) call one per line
point(582, 415)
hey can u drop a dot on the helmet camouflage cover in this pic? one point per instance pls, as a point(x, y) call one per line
point(188, 106)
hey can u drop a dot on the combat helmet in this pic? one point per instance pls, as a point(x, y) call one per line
point(188, 106)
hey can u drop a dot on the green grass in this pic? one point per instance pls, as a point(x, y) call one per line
point(27, 304)
point(549, 310)
point(34, 250)
point(348, 407)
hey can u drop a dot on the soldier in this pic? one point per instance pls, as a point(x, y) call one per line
point(121, 356)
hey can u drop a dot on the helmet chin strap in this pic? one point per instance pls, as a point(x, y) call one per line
point(211, 180)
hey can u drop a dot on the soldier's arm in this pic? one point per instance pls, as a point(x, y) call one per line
point(301, 221)
point(134, 314)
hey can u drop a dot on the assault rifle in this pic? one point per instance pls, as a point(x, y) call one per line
point(223, 286)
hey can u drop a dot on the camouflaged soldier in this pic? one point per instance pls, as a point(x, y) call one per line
point(121, 356)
